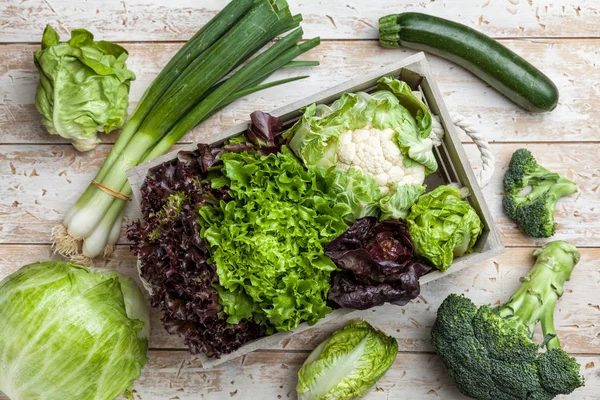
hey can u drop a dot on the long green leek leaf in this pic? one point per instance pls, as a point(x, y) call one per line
point(231, 85)
point(192, 49)
point(299, 64)
point(284, 59)
point(218, 60)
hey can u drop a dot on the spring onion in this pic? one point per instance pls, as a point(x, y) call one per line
point(202, 78)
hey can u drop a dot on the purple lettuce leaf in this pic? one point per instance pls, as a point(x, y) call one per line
point(174, 257)
point(378, 265)
point(264, 129)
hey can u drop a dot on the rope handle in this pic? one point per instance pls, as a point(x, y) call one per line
point(487, 158)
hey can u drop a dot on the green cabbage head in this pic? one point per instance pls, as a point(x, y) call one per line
point(84, 86)
point(70, 332)
point(443, 226)
point(346, 365)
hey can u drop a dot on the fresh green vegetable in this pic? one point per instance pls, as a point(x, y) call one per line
point(354, 188)
point(267, 241)
point(443, 226)
point(194, 85)
point(383, 137)
point(384, 133)
point(495, 64)
point(489, 352)
point(533, 210)
point(347, 364)
point(397, 205)
point(363, 196)
point(68, 332)
point(167, 238)
point(84, 86)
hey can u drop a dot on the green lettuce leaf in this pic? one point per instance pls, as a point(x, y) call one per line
point(353, 188)
point(348, 364)
point(70, 332)
point(267, 242)
point(84, 86)
point(443, 226)
point(398, 204)
point(409, 101)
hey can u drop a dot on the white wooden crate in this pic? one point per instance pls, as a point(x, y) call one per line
point(452, 160)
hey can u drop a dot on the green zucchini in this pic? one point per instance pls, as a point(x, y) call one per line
point(495, 64)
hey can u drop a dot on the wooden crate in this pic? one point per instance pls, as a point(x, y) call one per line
point(453, 167)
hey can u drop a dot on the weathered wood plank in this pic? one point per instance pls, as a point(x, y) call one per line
point(266, 375)
point(573, 65)
point(490, 282)
point(273, 375)
point(341, 19)
point(38, 184)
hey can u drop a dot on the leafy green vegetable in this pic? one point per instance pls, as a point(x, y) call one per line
point(69, 332)
point(443, 226)
point(346, 365)
point(267, 242)
point(489, 352)
point(357, 190)
point(375, 148)
point(397, 205)
point(84, 86)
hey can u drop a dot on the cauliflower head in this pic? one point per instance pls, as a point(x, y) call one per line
point(385, 134)
point(374, 151)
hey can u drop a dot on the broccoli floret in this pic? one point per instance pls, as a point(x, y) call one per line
point(533, 211)
point(490, 353)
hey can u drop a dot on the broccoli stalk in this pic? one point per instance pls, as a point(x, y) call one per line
point(535, 300)
point(490, 353)
point(533, 211)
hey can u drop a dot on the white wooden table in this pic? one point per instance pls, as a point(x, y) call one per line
point(41, 176)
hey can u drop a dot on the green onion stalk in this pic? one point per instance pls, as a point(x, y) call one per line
point(193, 48)
point(202, 78)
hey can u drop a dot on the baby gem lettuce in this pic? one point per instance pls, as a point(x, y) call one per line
point(267, 242)
point(443, 226)
point(84, 86)
point(348, 364)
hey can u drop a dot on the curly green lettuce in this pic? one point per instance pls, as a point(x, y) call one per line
point(267, 241)
point(84, 86)
point(443, 226)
